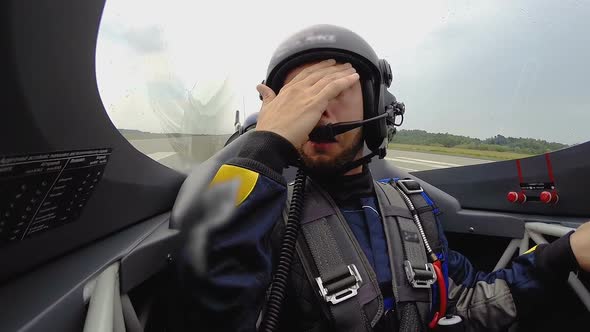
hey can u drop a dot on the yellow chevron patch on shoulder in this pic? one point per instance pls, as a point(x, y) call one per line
point(247, 180)
point(530, 250)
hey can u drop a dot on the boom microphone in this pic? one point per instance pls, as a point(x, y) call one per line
point(329, 132)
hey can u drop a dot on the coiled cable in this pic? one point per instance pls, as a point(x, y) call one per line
point(278, 288)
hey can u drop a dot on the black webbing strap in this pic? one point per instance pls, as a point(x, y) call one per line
point(411, 273)
point(339, 281)
point(425, 208)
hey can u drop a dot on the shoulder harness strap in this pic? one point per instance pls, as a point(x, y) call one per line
point(425, 213)
point(425, 208)
point(412, 275)
point(339, 271)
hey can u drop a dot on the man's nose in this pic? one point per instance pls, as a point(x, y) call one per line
point(330, 111)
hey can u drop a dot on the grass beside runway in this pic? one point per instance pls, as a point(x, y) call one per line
point(489, 155)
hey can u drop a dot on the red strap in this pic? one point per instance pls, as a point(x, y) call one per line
point(519, 169)
point(549, 168)
point(435, 320)
point(442, 292)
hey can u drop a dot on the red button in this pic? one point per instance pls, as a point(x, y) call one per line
point(545, 197)
point(548, 197)
point(514, 197)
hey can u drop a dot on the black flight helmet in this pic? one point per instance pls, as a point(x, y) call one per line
point(323, 41)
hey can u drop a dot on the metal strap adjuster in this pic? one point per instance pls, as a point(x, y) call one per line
point(342, 287)
point(420, 278)
point(410, 186)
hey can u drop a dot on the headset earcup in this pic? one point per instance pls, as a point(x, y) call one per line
point(386, 72)
point(373, 132)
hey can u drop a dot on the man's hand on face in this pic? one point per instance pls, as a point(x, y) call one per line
point(580, 242)
point(298, 107)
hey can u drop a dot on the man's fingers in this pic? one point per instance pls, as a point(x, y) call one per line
point(316, 76)
point(334, 88)
point(311, 69)
point(324, 81)
point(267, 94)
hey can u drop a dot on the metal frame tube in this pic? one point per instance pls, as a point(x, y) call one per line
point(538, 238)
point(548, 229)
point(579, 289)
point(524, 243)
point(535, 231)
point(507, 255)
point(131, 320)
point(118, 318)
point(99, 317)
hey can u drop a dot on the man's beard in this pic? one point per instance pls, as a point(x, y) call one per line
point(329, 167)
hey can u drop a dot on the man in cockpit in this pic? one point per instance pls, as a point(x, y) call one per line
point(371, 256)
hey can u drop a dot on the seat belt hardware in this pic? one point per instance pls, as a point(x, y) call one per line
point(420, 278)
point(410, 186)
point(344, 292)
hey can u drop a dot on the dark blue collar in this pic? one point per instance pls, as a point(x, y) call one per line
point(347, 189)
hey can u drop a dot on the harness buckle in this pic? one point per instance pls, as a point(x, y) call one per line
point(342, 287)
point(418, 277)
point(410, 186)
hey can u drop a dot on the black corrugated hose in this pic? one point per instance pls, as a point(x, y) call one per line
point(278, 287)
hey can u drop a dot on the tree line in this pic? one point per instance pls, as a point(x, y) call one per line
point(496, 143)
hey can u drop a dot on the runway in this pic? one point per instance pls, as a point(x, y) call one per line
point(176, 153)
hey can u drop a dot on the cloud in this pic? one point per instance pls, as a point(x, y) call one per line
point(145, 40)
point(463, 67)
point(520, 72)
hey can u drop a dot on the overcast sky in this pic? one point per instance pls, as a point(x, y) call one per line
point(475, 68)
